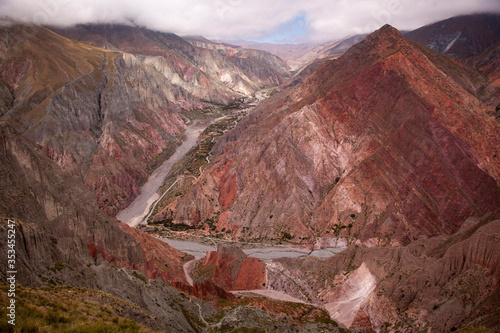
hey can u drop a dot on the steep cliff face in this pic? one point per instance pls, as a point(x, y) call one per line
point(63, 217)
point(100, 115)
point(387, 144)
point(442, 283)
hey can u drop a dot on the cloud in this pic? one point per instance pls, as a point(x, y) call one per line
point(257, 19)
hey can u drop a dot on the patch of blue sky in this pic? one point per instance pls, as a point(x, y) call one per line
point(290, 32)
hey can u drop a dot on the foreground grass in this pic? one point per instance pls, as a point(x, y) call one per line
point(68, 309)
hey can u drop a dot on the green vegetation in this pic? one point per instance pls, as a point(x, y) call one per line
point(337, 228)
point(139, 276)
point(59, 266)
point(168, 223)
point(68, 309)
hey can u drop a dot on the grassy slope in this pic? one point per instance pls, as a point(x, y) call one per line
point(53, 62)
point(69, 309)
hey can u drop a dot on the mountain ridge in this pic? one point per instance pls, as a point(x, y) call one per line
point(104, 116)
point(340, 93)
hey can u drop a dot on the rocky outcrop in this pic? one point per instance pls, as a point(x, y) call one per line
point(384, 145)
point(347, 299)
point(230, 268)
point(442, 283)
point(204, 289)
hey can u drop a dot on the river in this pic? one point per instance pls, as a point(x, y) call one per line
point(136, 212)
point(266, 254)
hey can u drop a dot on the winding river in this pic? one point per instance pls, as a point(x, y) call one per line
point(136, 213)
point(266, 254)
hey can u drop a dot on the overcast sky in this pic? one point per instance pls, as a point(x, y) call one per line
point(263, 20)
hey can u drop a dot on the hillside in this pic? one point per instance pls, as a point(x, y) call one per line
point(381, 146)
point(460, 37)
point(107, 116)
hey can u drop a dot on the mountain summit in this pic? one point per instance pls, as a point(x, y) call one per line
point(387, 144)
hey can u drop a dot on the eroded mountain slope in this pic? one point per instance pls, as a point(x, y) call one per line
point(438, 284)
point(382, 145)
point(62, 238)
point(105, 116)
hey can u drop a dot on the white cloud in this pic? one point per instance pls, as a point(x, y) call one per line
point(230, 19)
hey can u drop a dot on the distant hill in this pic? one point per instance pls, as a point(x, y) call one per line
point(460, 37)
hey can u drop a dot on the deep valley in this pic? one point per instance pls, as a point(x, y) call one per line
point(177, 184)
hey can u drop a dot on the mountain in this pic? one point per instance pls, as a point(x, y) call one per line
point(487, 63)
point(78, 124)
point(460, 37)
point(298, 56)
point(387, 144)
point(313, 59)
point(390, 150)
point(105, 116)
point(64, 240)
point(243, 70)
point(440, 284)
point(293, 54)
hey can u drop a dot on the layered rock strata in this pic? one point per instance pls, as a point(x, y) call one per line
point(387, 144)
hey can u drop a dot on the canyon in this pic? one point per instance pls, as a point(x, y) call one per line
point(359, 193)
point(375, 150)
point(138, 211)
